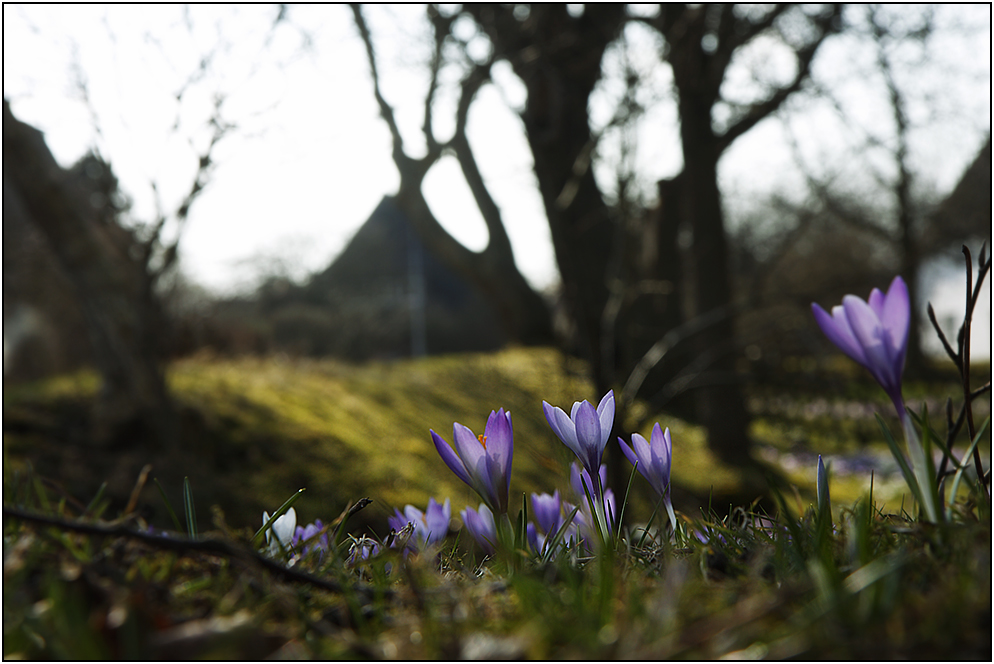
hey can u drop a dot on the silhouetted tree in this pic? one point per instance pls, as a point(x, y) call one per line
point(109, 272)
point(522, 311)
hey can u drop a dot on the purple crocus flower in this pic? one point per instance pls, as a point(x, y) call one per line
point(481, 526)
point(874, 334)
point(652, 459)
point(579, 477)
point(585, 431)
point(482, 462)
point(305, 533)
point(548, 511)
point(536, 540)
point(430, 526)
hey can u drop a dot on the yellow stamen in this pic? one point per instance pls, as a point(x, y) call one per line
point(483, 440)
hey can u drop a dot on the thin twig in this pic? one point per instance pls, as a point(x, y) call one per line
point(386, 111)
point(184, 545)
point(942, 337)
point(972, 295)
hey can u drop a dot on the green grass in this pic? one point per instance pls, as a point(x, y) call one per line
point(882, 585)
point(257, 430)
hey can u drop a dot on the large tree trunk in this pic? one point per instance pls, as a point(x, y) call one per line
point(558, 57)
point(720, 405)
point(112, 286)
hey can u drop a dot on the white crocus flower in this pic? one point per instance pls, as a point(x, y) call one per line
point(284, 528)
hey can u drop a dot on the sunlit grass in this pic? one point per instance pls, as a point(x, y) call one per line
point(274, 425)
point(346, 432)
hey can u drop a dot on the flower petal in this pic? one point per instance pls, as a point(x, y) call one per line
point(628, 452)
point(468, 447)
point(548, 511)
point(285, 525)
point(397, 521)
point(493, 487)
point(450, 458)
point(412, 513)
point(660, 460)
point(836, 328)
point(642, 449)
point(550, 417)
point(876, 302)
point(481, 526)
point(564, 428)
point(896, 318)
point(605, 412)
point(869, 333)
point(437, 520)
point(588, 434)
point(500, 441)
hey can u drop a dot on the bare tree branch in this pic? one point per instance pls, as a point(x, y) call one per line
point(441, 25)
point(805, 55)
point(734, 33)
point(499, 245)
point(386, 111)
point(842, 208)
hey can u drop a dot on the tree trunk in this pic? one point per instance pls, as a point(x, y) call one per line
point(558, 57)
point(656, 303)
point(720, 404)
point(114, 290)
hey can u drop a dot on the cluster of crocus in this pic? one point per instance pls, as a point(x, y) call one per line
point(484, 463)
point(291, 538)
point(585, 431)
point(430, 526)
point(874, 333)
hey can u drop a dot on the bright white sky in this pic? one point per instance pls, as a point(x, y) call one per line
point(310, 158)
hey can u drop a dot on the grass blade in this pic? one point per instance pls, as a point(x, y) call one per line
point(628, 489)
point(96, 499)
point(921, 462)
point(909, 477)
point(189, 509)
point(169, 506)
point(959, 472)
point(552, 543)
